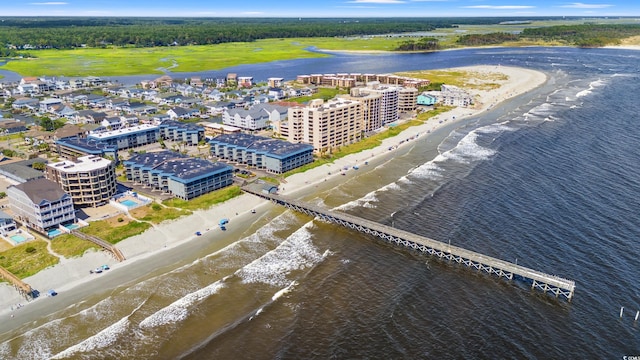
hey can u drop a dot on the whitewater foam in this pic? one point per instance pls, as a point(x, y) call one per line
point(179, 309)
point(297, 252)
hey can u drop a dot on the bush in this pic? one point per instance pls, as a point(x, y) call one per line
point(120, 219)
point(30, 249)
point(156, 207)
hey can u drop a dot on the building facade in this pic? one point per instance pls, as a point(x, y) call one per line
point(271, 155)
point(41, 204)
point(90, 180)
point(128, 137)
point(183, 176)
point(326, 126)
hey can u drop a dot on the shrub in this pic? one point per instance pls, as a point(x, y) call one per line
point(120, 219)
point(30, 249)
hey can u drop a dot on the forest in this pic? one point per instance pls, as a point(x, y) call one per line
point(20, 33)
point(584, 35)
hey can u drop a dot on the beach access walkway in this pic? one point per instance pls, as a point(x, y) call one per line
point(23, 288)
point(103, 244)
point(546, 283)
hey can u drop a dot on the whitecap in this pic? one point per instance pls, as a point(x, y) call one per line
point(297, 252)
point(179, 309)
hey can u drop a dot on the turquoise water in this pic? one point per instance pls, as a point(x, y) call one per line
point(129, 203)
point(54, 232)
point(18, 239)
point(71, 226)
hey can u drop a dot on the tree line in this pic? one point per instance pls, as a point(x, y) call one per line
point(584, 35)
point(74, 32)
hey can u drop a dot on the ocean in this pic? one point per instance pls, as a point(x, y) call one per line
point(550, 180)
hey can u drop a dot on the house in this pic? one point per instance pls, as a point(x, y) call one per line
point(113, 123)
point(26, 104)
point(7, 223)
point(182, 113)
point(89, 117)
point(275, 82)
point(276, 93)
point(47, 105)
point(69, 131)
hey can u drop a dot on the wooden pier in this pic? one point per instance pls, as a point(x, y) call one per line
point(103, 244)
point(546, 283)
point(23, 288)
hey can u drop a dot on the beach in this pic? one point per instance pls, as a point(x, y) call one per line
point(173, 243)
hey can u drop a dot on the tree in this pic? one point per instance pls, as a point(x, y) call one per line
point(39, 165)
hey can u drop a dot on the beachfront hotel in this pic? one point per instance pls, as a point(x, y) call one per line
point(41, 204)
point(180, 175)
point(272, 155)
point(90, 180)
point(326, 126)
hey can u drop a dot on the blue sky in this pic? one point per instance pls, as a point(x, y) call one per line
point(320, 8)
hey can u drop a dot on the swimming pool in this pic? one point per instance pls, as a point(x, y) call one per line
point(18, 239)
point(71, 226)
point(129, 203)
point(54, 232)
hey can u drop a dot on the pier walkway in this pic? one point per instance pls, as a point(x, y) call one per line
point(23, 288)
point(103, 244)
point(544, 282)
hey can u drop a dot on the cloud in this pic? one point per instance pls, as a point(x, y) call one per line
point(50, 3)
point(377, 2)
point(499, 7)
point(586, 6)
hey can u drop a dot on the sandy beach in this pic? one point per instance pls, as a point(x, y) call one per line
point(169, 244)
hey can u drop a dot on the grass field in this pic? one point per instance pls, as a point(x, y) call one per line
point(27, 259)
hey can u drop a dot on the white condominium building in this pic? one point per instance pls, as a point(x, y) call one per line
point(371, 107)
point(326, 126)
point(388, 103)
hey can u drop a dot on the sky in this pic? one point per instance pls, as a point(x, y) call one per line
point(319, 8)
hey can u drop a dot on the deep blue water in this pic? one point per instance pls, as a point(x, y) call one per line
point(550, 180)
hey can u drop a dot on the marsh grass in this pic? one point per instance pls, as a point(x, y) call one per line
point(156, 213)
point(70, 246)
point(207, 200)
point(27, 259)
point(113, 230)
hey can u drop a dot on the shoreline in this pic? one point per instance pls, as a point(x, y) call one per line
point(174, 243)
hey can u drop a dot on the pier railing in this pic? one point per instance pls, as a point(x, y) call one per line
point(103, 244)
point(546, 283)
point(23, 288)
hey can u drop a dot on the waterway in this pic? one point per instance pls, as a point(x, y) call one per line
point(550, 180)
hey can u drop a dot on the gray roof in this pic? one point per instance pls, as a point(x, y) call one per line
point(177, 165)
point(270, 147)
point(40, 190)
point(22, 170)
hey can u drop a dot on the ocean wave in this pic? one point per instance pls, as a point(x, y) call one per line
point(101, 340)
point(468, 150)
point(297, 252)
point(365, 201)
point(179, 309)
